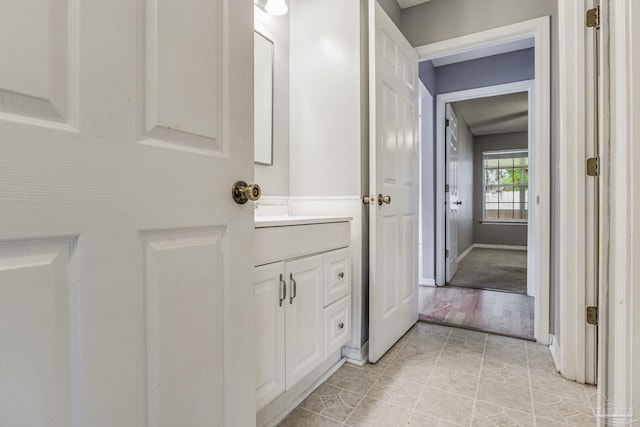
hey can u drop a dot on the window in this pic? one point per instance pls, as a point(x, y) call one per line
point(506, 185)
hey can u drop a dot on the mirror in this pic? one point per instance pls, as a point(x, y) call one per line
point(263, 99)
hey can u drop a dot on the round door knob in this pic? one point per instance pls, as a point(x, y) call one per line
point(341, 325)
point(341, 275)
point(383, 199)
point(243, 192)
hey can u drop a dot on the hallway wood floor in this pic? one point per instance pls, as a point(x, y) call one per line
point(502, 313)
point(448, 377)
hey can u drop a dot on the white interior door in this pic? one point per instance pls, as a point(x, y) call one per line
point(125, 266)
point(394, 173)
point(452, 202)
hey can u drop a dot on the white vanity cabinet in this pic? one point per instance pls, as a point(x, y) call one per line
point(302, 304)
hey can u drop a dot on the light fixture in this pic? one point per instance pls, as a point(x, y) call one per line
point(272, 7)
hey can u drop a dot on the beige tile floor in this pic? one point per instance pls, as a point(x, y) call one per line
point(441, 376)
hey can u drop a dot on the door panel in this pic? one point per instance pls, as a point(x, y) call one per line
point(452, 196)
point(128, 260)
point(304, 325)
point(394, 170)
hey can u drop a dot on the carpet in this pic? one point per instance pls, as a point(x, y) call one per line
point(494, 269)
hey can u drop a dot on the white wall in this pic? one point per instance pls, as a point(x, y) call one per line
point(328, 126)
point(325, 98)
point(274, 179)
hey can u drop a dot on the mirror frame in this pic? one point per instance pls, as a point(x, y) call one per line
point(270, 103)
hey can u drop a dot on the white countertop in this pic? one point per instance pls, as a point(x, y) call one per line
point(284, 220)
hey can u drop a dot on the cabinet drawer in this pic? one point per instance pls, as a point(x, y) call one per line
point(337, 325)
point(337, 276)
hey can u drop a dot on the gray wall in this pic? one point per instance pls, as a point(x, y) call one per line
point(465, 184)
point(393, 10)
point(274, 179)
point(493, 70)
point(495, 234)
point(445, 19)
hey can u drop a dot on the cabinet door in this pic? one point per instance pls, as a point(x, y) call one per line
point(270, 332)
point(305, 338)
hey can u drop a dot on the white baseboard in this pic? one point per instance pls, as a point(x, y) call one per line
point(555, 354)
point(357, 356)
point(465, 253)
point(487, 246)
point(427, 282)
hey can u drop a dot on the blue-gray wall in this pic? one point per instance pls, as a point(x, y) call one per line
point(427, 73)
point(490, 71)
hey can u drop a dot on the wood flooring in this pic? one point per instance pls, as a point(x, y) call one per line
point(502, 313)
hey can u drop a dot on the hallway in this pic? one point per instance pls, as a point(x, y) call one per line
point(446, 377)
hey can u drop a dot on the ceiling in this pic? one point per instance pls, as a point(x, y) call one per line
point(408, 3)
point(496, 114)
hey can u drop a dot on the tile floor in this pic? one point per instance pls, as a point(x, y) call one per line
point(445, 377)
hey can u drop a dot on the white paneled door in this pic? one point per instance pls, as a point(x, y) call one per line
point(393, 305)
point(452, 203)
point(125, 267)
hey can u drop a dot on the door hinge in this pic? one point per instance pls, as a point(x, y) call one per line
point(592, 315)
point(446, 253)
point(593, 166)
point(446, 188)
point(593, 17)
point(446, 123)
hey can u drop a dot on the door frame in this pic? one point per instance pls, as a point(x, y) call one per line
point(539, 30)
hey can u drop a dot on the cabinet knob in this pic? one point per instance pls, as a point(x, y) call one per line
point(341, 325)
point(341, 275)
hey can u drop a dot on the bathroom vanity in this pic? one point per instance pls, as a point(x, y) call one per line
point(302, 305)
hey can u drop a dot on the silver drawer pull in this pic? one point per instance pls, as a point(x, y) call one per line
point(294, 288)
point(283, 290)
point(341, 325)
point(341, 275)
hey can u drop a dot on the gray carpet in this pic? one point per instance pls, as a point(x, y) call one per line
point(495, 269)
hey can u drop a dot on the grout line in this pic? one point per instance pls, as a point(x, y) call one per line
point(475, 399)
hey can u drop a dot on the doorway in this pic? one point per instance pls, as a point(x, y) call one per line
point(535, 33)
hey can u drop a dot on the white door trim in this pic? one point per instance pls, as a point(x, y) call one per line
point(539, 30)
point(619, 341)
point(575, 224)
point(426, 128)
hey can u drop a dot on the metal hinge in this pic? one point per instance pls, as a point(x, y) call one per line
point(592, 315)
point(446, 188)
point(593, 166)
point(446, 123)
point(593, 17)
point(446, 253)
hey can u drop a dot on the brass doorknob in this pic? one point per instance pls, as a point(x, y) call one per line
point(383, 199)
point(243, 192)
